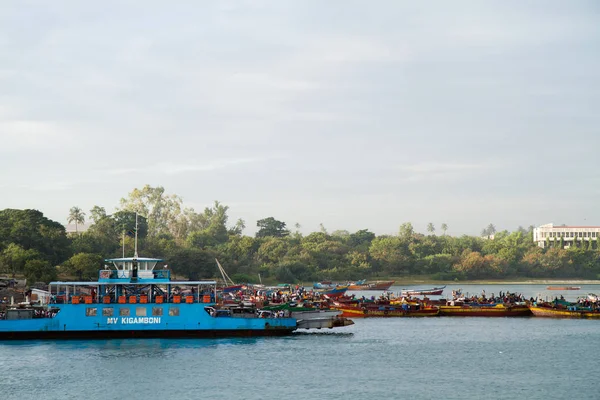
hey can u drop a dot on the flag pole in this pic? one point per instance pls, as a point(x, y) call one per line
point(135, 253)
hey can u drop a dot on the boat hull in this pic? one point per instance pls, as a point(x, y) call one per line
point(485, 311)
point(357, 312)
point(563, 313)
point(333, 293)
point(143, 334)
point(423, 292)
point(105, 321)
point(372, 286)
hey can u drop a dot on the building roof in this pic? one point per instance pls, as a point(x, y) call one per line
point(70, 228)
point(573, 226)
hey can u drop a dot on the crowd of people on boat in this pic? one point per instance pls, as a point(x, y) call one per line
point(501, 298)
point(37, 313)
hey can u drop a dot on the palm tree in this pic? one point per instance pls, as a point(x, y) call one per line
point(77, 216)
point(430, 228)
point(444, 228)
point(488, 231)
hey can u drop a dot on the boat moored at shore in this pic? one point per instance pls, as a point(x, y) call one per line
point(436, 291)
point(365, 285)
point(485, 310)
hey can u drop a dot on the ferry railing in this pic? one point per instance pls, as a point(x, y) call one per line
point(162, 274)
point(108, 274)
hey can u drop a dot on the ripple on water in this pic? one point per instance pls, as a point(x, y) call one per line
point(466, 358)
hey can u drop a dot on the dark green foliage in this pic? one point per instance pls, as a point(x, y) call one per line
point(39, 271)
point(84, 266)
point(271, 227)
point(32, 231)
point(32, 245)
point(193, 263)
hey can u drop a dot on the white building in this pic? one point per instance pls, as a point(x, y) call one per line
point(552, 235)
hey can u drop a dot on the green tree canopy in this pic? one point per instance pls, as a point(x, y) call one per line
point(271, 227)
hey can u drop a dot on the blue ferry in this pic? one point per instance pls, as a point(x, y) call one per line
point(132, 299)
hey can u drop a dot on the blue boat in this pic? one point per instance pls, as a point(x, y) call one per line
point(133, 300)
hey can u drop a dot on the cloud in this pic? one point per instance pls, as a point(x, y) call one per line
point(174, 168)
point(445, 171)
point(19, 135)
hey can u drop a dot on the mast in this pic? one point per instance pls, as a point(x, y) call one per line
point(135, 253)
point(226, 277)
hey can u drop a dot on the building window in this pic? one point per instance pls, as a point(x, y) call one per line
point(140, 311)
point(124, 312)
point(91, 312)
point(108, 311)
point(174, 311)
point(580, 234)
point(157, 311)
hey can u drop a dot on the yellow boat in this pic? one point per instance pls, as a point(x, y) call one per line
point(568, 312)
point(485, 310)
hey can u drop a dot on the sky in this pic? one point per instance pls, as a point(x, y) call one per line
point(351, 114)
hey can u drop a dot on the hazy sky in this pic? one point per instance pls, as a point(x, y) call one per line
point(354, 114)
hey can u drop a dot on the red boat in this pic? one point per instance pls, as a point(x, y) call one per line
point(377, 285)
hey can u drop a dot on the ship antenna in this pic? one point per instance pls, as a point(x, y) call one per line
point(135, 253)
point(123, 240)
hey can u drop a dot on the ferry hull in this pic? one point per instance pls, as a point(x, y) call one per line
point(143, 334)
point(99, 321)
point(562, 313)
point(483, 311)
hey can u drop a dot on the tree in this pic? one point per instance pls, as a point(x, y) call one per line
point(39, 271)
point(430, 228)
point(76, 215)
point(488, 231)
point(444, 228)
point(406, 231)
point(238, 228)
point(97, 213)
point(271, 227)
point(161, 210)
point(322, 228)
point(32, 231)
point(84, 265)
point(14, 258)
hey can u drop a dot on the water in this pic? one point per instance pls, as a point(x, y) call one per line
point(442, 358)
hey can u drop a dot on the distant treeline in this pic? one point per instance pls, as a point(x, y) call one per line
point(40, 249)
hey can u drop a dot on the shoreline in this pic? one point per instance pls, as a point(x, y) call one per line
point(498, 282)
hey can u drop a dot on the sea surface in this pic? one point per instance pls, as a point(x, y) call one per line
point(395, 358)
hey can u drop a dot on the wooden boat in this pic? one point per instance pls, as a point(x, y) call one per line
point(563, 288)
point(333, 293)
point(420, 292)
point(384, 311)
point(485, 310)
point(552, 310)
point(364, 285)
